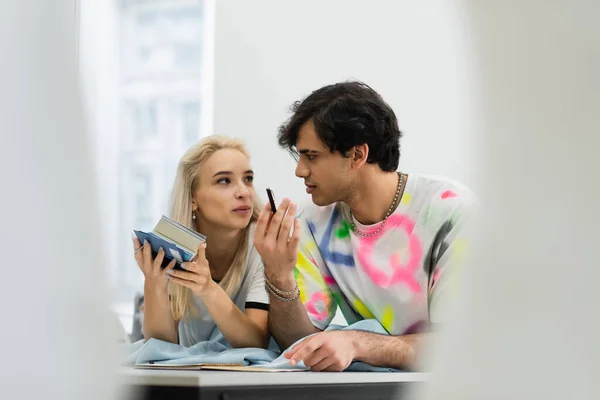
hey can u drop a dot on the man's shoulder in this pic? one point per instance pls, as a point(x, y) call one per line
point(440, 190)
point(442, 199)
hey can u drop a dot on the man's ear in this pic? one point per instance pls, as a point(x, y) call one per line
point(359, 155)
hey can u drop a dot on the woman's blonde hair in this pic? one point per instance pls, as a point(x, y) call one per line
point(186, 183)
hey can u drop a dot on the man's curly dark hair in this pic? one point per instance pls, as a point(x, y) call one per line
point(345, 115)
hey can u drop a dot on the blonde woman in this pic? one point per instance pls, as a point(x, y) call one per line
point(222, 292)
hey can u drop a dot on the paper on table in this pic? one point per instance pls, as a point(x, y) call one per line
point(181, 366)
point(253, 368)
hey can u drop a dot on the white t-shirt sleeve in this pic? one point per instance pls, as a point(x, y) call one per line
point(448, 271)
point(315, 293)
point(257, 294)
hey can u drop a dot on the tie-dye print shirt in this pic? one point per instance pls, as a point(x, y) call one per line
point(404, 276)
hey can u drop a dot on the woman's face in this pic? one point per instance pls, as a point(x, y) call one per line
point(224, 196)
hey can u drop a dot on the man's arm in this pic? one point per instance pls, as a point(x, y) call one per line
point(334, 350)
point(288, 320)
point(401, 352)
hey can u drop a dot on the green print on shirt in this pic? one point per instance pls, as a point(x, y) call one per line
point(344, 231)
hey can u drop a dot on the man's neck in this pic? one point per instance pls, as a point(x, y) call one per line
point(220, 248)
point(372, 197)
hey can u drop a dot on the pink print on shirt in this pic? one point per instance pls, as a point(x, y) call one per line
point(400, 273)
point(448, 194)
point(317, 301)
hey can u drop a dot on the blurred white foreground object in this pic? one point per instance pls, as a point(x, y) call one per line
point(529, 326)
point(57, 332)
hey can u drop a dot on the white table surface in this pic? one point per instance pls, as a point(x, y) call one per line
point(145, 377)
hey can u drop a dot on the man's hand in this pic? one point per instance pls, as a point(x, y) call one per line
point(326, 351)
point(274, 242)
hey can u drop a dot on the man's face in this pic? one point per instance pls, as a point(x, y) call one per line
point(327, 175)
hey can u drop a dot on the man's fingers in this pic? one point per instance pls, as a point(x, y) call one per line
point(286, 225)
point(307, 349)
point(262, 223)
point(295, 239)
point(295, 348)
point(326, 364)
point(275, 225)
point(316, 357)
point(290, 352)
point(334, 367)
point(269, 219)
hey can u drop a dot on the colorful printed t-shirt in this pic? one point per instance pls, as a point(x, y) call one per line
point(403, 276)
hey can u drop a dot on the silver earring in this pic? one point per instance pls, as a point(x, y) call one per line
point(194, 216)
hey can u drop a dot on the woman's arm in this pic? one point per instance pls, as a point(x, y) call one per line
point(239, 329)
point(158, 320)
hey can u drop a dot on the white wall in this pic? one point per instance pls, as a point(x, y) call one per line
point(270, 53)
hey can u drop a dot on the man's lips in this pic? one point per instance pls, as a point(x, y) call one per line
point(310, 188)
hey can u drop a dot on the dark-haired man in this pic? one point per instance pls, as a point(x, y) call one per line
point(377, 243)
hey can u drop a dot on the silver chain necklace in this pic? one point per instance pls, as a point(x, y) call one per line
point(389, 212)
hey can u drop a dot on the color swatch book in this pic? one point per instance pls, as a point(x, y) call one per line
point(178, 241)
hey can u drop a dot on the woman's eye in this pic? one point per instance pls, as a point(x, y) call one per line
point(223, 181)
point(249, 179)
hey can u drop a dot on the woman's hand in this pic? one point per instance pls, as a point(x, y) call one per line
point(196, 276)
point(153, 274)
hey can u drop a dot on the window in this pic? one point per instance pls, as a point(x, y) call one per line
point(190, 116)
point(143, 120)
point(142, 186)
point(145, 64)
point(161, 39)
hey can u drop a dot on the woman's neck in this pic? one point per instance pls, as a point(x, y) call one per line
point(221, 245)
